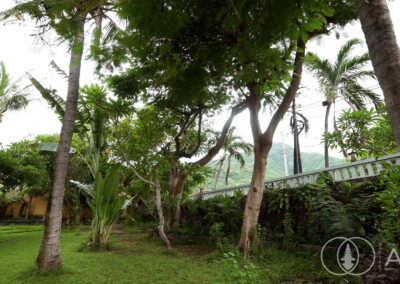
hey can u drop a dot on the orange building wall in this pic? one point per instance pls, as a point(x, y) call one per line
point(38, 207)
point(14, 207)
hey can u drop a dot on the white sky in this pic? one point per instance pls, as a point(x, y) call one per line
point(21, 53)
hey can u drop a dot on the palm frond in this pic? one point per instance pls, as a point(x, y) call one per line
point(55, 101)
point(345, 50)
point(322, 69)
point(5, 80)
point(239, 157)
point(306, 122)
point(17, 102)
point(59, 71)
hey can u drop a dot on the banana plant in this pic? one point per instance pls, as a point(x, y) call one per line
point(106, 205)
point(91, 120)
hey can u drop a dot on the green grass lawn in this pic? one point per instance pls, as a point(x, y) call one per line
point(134, 258)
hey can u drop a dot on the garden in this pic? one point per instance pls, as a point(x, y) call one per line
point(167, 167)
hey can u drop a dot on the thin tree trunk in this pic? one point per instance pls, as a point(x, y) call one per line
point(337, 130)
point(326, 154)
point(384, 53)
point(29, 207)
point(160, 213)
point(228, 170)
point(221, 162)
point(49, 256)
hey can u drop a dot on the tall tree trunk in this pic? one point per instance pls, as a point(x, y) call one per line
point(221, 162)
point(228, 170)
point(28, 209)
point(161, 219)
point(384, 53)
point(326, 154)
point(49, 256)
point(262, 145)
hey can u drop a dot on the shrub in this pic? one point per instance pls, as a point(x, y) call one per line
point(310, 214)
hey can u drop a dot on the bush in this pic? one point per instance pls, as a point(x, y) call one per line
point(310, 214)
point(388, 224)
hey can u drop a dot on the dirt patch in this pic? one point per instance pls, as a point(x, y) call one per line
point(193, 250)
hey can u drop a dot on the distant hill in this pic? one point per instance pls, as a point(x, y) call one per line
point(275, 166)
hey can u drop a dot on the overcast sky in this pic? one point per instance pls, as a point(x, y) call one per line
point(21, 53)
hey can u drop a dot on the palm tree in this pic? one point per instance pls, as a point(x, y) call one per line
point(67, 19)
point(233, 147)
point(12, 97)
point(341, 79)
point(381, 40)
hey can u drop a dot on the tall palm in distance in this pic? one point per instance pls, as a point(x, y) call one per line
point(12, 97)
point(234, 147)
point(341, 79)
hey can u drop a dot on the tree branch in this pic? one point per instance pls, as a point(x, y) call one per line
point(189, 155)
point(268, 135)
point(125, 156)
point(221, 140)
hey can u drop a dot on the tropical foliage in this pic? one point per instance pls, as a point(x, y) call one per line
point(364, 133)
point(342, 79)
point(310, 214)
point(233, 147)
point(104, 200)
point(168, 67)
point(12, 96)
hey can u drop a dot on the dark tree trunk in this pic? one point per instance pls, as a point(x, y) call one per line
point(384, 53)
point(28, 209)
point(326, 153)
point(49, 256)
point(175, 211)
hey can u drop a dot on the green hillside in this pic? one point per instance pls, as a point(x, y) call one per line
point(275, 166)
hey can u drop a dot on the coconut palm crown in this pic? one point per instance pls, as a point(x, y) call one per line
point(343, 79)
point(234, 147)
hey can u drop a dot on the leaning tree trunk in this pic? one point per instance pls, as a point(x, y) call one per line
point(221, 163)
point(49, 256)
point(326, 153)
point(384, 53)
point(228, 170)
